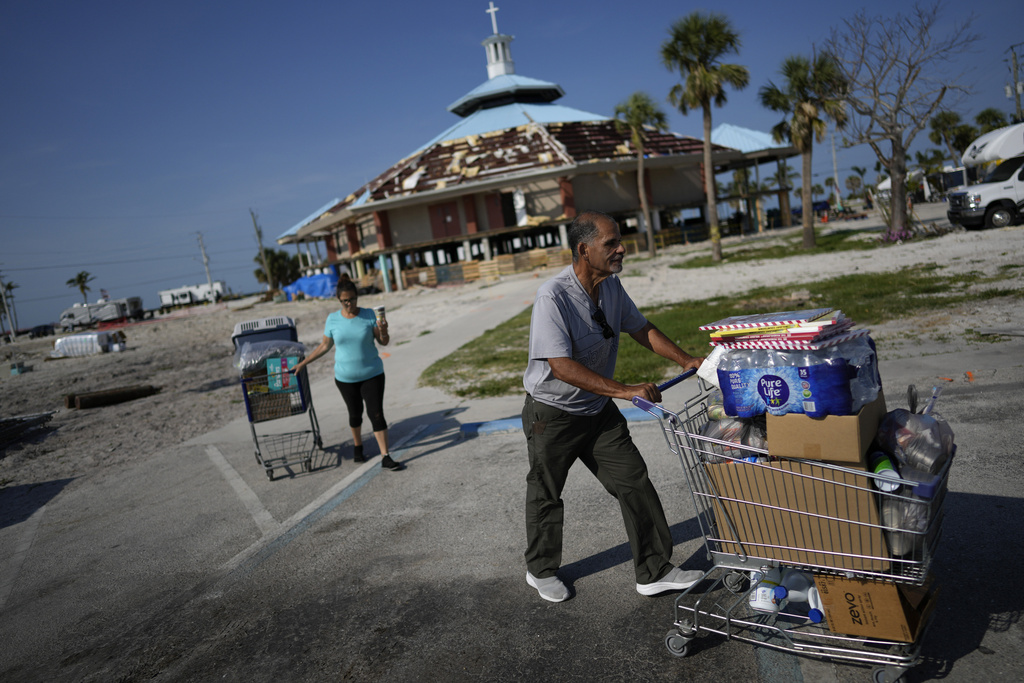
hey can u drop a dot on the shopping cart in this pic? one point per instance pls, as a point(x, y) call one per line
point(273, 393)
point(758, 512)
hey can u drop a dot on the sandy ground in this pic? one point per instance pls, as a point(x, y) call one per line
point(189, 354)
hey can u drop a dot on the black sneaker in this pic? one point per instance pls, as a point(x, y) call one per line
point(357, 454)
point(387, 463)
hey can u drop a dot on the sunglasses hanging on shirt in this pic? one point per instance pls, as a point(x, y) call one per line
point(606, 329)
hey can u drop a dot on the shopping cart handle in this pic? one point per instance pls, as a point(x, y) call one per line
point(677, 379)
point(643, 404)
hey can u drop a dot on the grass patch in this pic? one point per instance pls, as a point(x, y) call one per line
point(836, 241)
point(490, 365)
point(493, 363)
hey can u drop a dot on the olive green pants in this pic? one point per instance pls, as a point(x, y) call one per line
point(555, 439)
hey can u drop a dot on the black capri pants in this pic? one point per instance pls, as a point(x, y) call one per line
point(369, 391)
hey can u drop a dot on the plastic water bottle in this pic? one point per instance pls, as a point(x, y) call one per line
point(798, 586)
point(762, 598)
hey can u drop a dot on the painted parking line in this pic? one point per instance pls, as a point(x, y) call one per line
point(632, 414)
point(286, 531)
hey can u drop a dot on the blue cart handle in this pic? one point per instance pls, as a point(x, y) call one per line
point(643, 404)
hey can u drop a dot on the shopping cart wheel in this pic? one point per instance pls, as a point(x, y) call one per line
point(307, 465)
point(678, 645)
point(270, 474)
point(734, 582)
point(888, 674)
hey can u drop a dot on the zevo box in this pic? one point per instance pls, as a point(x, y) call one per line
point(874, 608)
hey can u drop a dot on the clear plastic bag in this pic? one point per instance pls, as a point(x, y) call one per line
point(250, 358)
point(745, 433)
point(923, 442)
point(906, 520)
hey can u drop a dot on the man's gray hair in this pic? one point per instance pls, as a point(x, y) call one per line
point(584, 229)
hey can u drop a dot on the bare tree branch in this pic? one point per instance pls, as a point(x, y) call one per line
point(899, 73)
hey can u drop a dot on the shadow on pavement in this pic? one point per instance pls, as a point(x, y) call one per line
point(976, 569)
point(18, 503)
point(682, 532)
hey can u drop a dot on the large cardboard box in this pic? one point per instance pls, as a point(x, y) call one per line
point(798, 513)
point(876, 609)
point(840, 439)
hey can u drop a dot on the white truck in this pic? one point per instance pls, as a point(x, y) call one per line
point(104, 310)
point(191, 294)
point(996, 202)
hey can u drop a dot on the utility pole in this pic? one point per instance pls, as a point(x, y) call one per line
point(259, 240)
point(206, 265)
point(1016, 86)
point(7, 312)
point(835, 173)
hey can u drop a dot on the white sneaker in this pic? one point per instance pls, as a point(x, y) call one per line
point(551, 589)
point(675, 580)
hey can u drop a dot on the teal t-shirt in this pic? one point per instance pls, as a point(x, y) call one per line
point(355, 355)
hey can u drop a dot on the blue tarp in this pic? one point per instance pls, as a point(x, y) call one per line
point(313, 286)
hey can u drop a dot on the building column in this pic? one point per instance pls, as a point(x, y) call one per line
point(352, 235)
point(466, 248)
point(396, 263)
point(380, 220)
point(469, 209)
point(563, 235)
point(382, 266)
point(485, 246)
point(565, 192)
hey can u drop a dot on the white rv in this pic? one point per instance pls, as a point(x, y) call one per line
point(191, 294)
point(104, 310)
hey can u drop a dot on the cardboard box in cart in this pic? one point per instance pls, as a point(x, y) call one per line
point(838, 439)
point(798, 513)
point(876, 609)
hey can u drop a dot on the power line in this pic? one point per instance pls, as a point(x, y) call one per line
point(91, 264)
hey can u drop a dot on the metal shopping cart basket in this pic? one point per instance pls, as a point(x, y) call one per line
point(758, 512)
point(274, 393)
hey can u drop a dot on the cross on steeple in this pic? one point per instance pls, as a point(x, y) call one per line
point(493, 11)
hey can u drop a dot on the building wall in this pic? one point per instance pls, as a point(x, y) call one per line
point(609, 192)
point(367, 232)
point(680, 186)
point(410, 224)
point(543, 199)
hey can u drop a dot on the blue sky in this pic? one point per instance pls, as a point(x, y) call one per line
point(131, 127)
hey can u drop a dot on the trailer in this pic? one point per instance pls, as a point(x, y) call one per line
point(104, 310)
point(187, 295)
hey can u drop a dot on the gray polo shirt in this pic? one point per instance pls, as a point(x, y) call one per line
point(562, 326)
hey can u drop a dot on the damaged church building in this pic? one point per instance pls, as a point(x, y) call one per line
point(494, 193)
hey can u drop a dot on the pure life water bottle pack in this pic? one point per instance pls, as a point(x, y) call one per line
point(833, 381)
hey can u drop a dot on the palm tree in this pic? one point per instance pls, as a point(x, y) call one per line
point(811, 95)
point(782, 179)
point(942, 130)
point(853, 184)
point(989, 120)
point(81, 283)
point(636, 114)
point(284, 268)
point(830, 183)
point(696, 45)
point(861, 171)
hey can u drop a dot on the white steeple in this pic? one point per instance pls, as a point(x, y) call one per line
point(499, 55)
